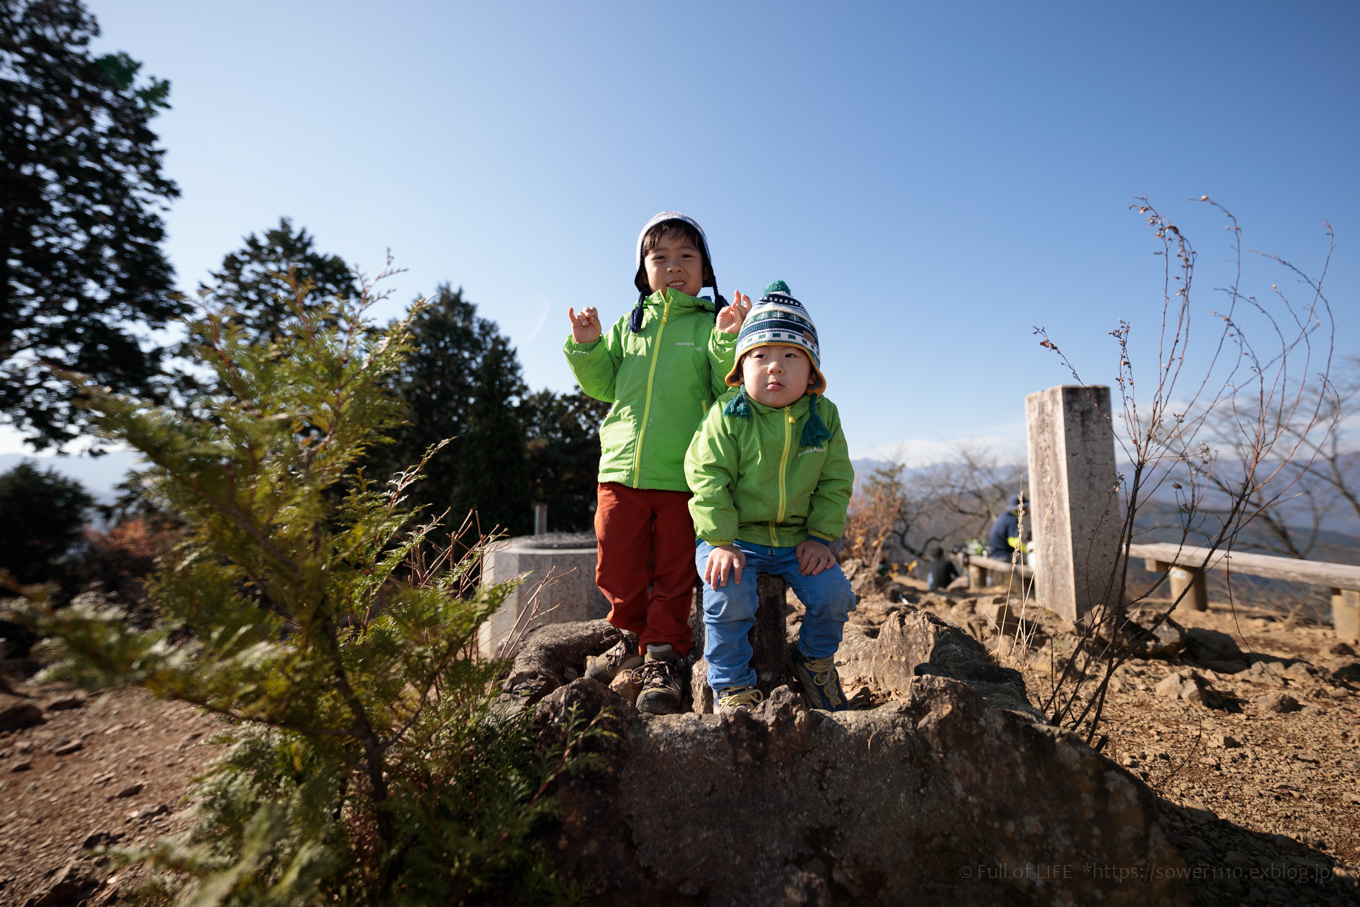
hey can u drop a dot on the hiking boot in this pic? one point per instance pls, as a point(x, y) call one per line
point(660, 684)
point(738, 699)
point(621, 657)
point(821, 683)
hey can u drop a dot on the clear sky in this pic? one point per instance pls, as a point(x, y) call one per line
point(931, 179)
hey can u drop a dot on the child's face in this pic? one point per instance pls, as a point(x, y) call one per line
point(776, 375)
point(675, 263)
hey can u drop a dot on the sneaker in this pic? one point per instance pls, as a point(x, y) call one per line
point(660, 684)
point(738, 699)
point(821, 683)
point(621, 657)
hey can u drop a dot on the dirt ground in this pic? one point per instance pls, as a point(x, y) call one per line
point(1248, 735)
point(1254, 757)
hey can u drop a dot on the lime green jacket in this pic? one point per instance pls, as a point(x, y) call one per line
point(753, 479)
point(661, 382)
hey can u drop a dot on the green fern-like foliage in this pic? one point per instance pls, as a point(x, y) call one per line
point(369, 762)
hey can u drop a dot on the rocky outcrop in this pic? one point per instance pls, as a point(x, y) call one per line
point(914, 643)
point(955, 792)
point(940, 799)
point(554, 655)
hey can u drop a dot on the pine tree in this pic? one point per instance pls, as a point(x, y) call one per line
point(563, 451)
point(370, 763)
point(462, 382)
point(82, 274)
point(261, 280)
point(41, 517)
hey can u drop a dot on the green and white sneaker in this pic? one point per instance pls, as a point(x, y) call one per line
point(660, 684)
point(622, 656)
point(821, 683)
point(738, 699)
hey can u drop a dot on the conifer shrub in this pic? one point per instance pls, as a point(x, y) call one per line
point(371, 758)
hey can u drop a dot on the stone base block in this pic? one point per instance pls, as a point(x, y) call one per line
point(559, 587)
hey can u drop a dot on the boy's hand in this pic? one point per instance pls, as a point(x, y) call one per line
point(813, 557)
point(722, 561)
point(733, 315)
point(585, 327)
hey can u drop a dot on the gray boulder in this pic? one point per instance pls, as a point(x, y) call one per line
point(941, 798)
point(556, 654)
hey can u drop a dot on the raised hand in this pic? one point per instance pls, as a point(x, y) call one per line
point(733, 316)
point(585, 327)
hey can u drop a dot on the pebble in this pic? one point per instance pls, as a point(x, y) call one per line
point(65, 703)
point(131, 790)
point(67, 747)
point(1280, 703)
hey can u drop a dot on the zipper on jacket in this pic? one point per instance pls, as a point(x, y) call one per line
point(783, 465)
point(651, 373)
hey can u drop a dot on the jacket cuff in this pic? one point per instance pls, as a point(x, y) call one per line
point(574, 347)
point(818, 538)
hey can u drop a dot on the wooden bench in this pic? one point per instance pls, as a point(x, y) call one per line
point(979, 567)
point(1186, 565)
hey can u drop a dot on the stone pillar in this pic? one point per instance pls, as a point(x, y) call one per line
point(1074, 498)
point(566, 561)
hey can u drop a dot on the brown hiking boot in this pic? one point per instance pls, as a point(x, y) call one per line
point(660, 684)
point(622, 656)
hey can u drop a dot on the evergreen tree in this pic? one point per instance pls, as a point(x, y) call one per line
point(41, 518)
point(261, 281)
point(494, 478)
point(563, 451)
point(462, 382)
point(82, 274)
point(373, 761)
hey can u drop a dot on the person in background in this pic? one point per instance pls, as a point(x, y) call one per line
point(1005, 538)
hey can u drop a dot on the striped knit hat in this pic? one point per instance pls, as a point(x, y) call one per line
point(778, 319)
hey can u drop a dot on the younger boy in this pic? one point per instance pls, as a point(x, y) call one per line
point(771, 478)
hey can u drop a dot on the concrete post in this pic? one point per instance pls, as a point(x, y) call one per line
point(1346, 614)
point(566, 562)
point(1074, 499)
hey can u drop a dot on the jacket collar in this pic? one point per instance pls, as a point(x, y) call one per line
point(799, 407)
point(679, 301)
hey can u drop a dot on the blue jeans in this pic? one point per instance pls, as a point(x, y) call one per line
point(730, 611)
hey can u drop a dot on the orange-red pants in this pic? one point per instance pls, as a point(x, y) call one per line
point(646, 538)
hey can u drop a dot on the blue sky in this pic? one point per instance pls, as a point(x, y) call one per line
point(932, 180)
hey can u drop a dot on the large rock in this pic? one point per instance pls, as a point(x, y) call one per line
point(16, 714)
point(555, 655)
point(937, 799)
point(914, 643)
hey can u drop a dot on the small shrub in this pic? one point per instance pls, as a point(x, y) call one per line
point(369, 760)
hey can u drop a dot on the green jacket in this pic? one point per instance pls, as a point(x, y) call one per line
point(753, 480)
point(661, 382)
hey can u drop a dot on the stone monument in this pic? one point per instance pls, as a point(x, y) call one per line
point(1074, 497)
